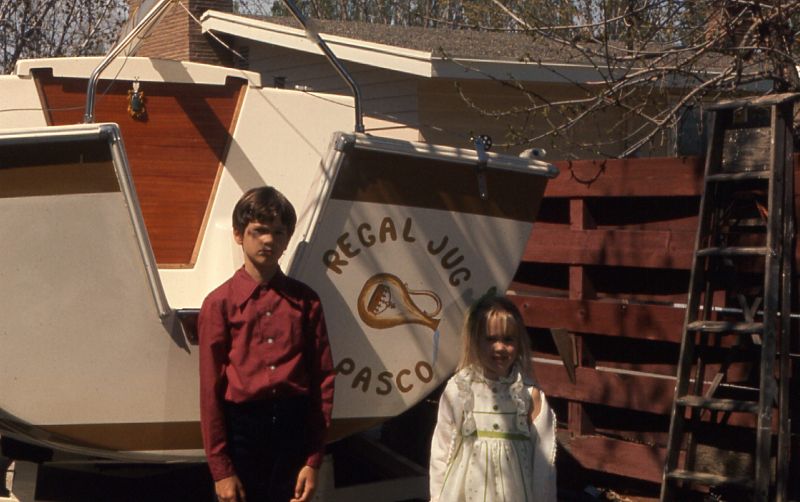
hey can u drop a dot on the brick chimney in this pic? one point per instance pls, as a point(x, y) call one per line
point(177, 36)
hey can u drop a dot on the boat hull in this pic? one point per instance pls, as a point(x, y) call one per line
point(98, 305)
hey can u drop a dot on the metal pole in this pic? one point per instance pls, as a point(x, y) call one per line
point(147, 20)
point(312, 34)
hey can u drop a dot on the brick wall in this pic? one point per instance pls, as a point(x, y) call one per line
point(177, 36)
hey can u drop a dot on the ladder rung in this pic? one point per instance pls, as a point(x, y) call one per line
point(746, 223)
point(726, 327)
point(710, 403)
point(734, 251)
point(740, 176)
point(709, 479)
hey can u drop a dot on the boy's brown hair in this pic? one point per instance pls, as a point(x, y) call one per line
point(263, 204)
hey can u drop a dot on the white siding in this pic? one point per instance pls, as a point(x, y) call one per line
point(386, 95)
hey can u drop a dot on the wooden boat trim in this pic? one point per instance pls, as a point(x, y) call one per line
point(175, 111)
point(215, 185)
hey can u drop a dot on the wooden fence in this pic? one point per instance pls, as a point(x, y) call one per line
point(607, 266)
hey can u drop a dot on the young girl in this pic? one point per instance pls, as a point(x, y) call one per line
point(495, 435)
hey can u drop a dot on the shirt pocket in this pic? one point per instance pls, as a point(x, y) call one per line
point(281, 332)
point(293, 327)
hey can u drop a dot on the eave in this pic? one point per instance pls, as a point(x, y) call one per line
point(409, 61)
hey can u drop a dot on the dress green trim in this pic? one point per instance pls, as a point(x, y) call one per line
point(503, 435)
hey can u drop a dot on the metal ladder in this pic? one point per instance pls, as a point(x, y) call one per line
point(738, 310)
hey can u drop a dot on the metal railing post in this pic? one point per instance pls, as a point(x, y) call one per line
point(312, 34)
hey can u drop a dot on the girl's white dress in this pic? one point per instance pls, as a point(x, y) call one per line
point(483, 448)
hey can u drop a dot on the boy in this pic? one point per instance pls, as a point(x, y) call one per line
point(266, 374)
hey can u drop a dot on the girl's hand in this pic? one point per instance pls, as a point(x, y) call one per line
point(536, 397)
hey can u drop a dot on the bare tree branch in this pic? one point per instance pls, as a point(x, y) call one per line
point(656, 61)
point(45, 28)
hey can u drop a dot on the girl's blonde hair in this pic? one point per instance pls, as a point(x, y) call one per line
point(475, 324)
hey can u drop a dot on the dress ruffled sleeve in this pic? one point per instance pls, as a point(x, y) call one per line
point(466, 399)
point(445, 436)
point(544, 459)
point(521, 395)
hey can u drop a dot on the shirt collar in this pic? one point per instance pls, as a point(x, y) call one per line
point(244, 286)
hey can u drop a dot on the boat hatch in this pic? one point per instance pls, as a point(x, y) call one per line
point(80, 300)
point(399, 238)
point(76, 179)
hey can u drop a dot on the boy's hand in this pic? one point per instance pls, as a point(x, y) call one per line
point(306, 484)
point(230, 489)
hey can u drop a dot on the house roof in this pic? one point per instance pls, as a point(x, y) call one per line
point(426, 52)
point(430, 52)
point(455, 43)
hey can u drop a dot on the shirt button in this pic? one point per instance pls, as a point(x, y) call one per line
point(495, 407)
point(270, 340)
point(268, 314)
point(272, 367)
point(274, 391)
point(496, 426)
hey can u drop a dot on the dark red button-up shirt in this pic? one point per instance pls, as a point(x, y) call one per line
point(262, 341)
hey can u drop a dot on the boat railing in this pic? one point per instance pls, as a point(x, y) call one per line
point(313, 36)
point(152, 16)
point(147, 21)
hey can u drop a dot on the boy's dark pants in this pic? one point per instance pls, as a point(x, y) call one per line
point(267, 444)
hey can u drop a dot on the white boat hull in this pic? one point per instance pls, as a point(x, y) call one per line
point(393, 235)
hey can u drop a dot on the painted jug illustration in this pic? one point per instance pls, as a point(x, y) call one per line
point(385, 301)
